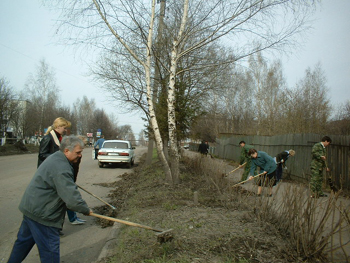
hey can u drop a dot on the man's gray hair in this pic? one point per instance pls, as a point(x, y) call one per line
point(69, 142)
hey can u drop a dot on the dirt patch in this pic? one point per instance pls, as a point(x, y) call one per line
point(220, 228)
point(117, 197)
point(18, 148)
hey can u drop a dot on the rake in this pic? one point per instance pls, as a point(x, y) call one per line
point(162, 235)
point(246, 180)
point(103, 201)
point(240, 166)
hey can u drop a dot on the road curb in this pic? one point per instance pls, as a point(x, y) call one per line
point(111, 241)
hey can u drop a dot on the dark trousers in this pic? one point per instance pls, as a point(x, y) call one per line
point(279, 171)
point(267, 180)
point(72, 216)
point(46, 238)
point(96, 153)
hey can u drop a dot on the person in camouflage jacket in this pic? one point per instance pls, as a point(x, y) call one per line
point(244, 158)
point(318, 163)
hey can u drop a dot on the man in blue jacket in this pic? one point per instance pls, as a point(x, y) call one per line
point(268, 165)
point(98, 145)
point(51, 191)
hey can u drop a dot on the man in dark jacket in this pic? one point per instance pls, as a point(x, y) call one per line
point(203, 148)
point(51, 191)
point(281, 159)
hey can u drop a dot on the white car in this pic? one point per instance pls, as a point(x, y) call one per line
point(116, 151)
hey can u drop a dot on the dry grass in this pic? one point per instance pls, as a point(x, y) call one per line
point(317, 230)
point(228, 224)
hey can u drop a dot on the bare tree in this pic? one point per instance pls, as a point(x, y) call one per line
point(125, 133)
point(8, 105)
point(41, 89)
point(84, 114)
point(308, 108)
point(127, 28)
point(268, 102)
point(142, 140)
point(249, 101)
point(340, 123)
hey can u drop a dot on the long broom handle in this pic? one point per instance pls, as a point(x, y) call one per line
point(240, 166)
point(103, 201)
point(246, 180)
point(125, 222)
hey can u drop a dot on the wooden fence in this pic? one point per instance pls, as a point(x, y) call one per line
point(338, 153)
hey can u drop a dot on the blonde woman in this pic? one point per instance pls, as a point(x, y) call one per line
point(50, 143)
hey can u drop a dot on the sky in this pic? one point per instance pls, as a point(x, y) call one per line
point(328, 43)
point(26, 30)
point(26, 37)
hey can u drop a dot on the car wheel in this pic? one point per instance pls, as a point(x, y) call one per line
point(100, 164)
point(129, 164)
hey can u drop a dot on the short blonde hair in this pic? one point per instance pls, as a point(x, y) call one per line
point(291, 152)
point(58, 122)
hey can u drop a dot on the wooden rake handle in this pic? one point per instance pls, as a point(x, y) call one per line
point(125, 222)
point(103, 201)
point(240, 166)
point(246, 180)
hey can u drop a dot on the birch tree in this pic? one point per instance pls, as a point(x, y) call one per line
point(224, 19)
point(146, 64)
point(126, 29)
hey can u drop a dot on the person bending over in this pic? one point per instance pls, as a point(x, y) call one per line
point(268, 165)
point(50, 192)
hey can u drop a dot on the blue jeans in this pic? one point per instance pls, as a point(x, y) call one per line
point(72, 216)
point(46, 238)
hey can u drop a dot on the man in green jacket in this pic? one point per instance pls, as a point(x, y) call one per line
point(318, 163)
point(244, 158)
point(51, 191)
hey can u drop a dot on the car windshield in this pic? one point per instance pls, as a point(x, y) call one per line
point(116, 145)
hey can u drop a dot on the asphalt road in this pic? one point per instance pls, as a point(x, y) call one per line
point(81, 243)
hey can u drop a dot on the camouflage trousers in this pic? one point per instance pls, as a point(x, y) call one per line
point(316, 181)
point(245, 173)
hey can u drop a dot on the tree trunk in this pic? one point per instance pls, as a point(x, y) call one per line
point(153, 119)
point(166, 149)
point(174, 153)
point(150, 151)
point(147, 67)
point(174, 156)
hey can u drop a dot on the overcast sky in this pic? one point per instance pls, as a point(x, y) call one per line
point(26, 31)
